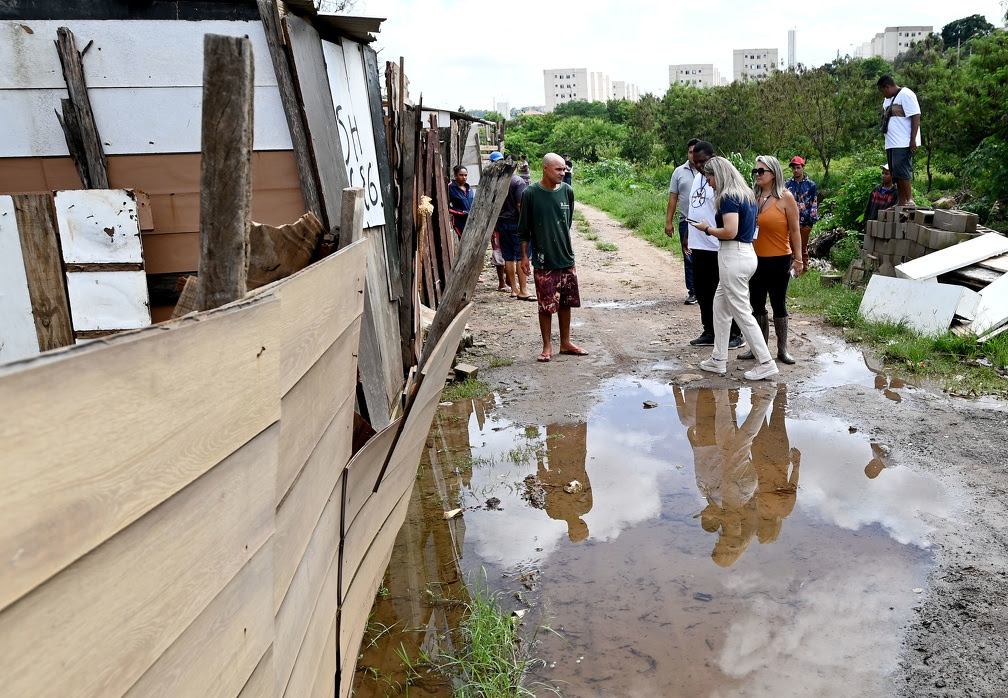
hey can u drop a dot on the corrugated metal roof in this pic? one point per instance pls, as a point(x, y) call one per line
point(356, 27)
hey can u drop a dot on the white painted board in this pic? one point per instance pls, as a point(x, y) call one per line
point(471, 157)
point(345, 70)
point(954, 257)
point(926, 308)
point(18, 337)
point(108, 300)
point(98, 226)
point(131, 120)
point(992, 310)
point(125, 53)
point(968, 302)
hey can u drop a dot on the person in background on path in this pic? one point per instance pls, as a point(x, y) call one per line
point(568, 177)
point(547, 212)
point(806, 193)
point(678, 198)
point(901, 115)
point(525, 170)
point(496, 256)
point(775, 246)
point(703, 250)
point(507, 228)
point(735, 226)
point(460, 199)
point(883, 196)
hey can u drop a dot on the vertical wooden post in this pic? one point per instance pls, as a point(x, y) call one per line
point(226, 177)
point(78, 121)
point(351, 216)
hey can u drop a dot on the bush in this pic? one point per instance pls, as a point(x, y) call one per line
point(986, 171)
point(845, 251)
point(613, 170)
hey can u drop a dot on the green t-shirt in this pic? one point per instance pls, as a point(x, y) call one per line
point(546, 217)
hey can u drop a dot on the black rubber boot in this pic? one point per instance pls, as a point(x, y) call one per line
point(764, 325)
point(780, 329)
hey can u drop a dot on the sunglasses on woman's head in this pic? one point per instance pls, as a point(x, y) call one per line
point(759, 171)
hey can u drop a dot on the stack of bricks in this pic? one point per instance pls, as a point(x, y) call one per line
point(903, 233)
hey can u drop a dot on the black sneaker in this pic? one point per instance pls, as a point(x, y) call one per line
point(690, 300)
point(736, 342)
point(704, 340)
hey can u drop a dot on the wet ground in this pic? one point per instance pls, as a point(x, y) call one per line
point(701, 538)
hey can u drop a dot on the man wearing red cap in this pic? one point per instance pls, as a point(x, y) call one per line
point(806, 193)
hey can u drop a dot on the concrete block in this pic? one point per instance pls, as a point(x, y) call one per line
point(463, 371)
point(901, 248)
point(923, 216)
point(956, 221)
point(940, 239)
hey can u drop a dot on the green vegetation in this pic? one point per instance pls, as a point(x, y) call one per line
point(500, 361)
point(465, 390)
point(607, 246)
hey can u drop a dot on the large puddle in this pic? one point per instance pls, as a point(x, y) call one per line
point(713, 545)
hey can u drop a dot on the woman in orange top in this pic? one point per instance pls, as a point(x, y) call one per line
point(777, 239)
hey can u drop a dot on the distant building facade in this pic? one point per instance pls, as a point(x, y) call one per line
point(562, 85)
point(893, 41)
point(753, 63)
point(503, 108)
point(625, 90)
point(694, 74)
point(792, 53)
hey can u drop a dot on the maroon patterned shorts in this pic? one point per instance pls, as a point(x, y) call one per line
point(557, 288)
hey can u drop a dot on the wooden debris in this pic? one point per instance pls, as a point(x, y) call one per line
point(188, 299)
point(78, 120)
point(351, 216)
point(226, 177)
point(277, 252)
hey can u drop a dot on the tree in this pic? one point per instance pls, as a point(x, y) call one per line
point(962, 30)
point(581, 108)
point(829, 101)
point(588, 139)
point(495, 116)
point(938, 89)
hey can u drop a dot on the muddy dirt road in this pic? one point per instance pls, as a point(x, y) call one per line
point(636, 328)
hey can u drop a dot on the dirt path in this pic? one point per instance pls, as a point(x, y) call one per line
point(633, 322)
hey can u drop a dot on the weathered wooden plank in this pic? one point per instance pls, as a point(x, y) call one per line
point(270, 14)
point(60, 499)
point(95, 628)
point(384, 173)
point(83, 140)
point(407, 239)
point(276, 252)
point(217, 654)
point(363, 469)
point(260, 684)
point(36, 225)
point(226, 180)
point(312, 84)
point(462, 283)
point(352, 220)
point(300, 511)
point(386, 319)
point(444, 235)
point(18, 338)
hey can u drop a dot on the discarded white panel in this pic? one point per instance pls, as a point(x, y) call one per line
point(99, 226)
point(968, 304)
point(992, 310)
point(954, 257)
point(18, 337)
point(108, 300)
point(925, 308)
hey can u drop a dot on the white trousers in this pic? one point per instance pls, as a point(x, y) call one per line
point(736, 265)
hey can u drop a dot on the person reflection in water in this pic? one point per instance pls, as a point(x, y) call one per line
point(777, 467)
point(566, 450)
point(725, 473)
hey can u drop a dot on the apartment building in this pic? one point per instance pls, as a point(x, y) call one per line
point(694, 74)
point(562, 85)
point(622, 89)
point(893, 41)
point(753, 63)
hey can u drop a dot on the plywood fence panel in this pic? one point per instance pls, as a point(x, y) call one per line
point(318, 303)
point(186, 397)
point(311, 581)
point(325, 680)
point(300, 511)
point(260, 684)
point(362, 470)
point(179, 212)
point(385, 316)
point(356, 606)
point(217, 654)
point(95, 628)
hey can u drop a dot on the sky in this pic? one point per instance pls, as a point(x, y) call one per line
point(455, 56)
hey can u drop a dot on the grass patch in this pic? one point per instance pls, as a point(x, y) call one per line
point(591, 237)
point(606, 246)
point(500, 361)
point(490, 662)
point(465, 390)
point(642, 209)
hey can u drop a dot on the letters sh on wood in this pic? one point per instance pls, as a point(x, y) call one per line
point(347, 82)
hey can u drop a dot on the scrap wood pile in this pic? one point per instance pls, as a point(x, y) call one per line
point(935, 271)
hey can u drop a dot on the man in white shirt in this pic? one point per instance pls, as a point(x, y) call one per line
point(703, 250)
point(901, 115)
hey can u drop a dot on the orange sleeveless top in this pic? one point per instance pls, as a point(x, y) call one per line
point(773, 240)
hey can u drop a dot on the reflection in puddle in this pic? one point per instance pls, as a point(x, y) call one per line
point(846, 365)
point(714, 544)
